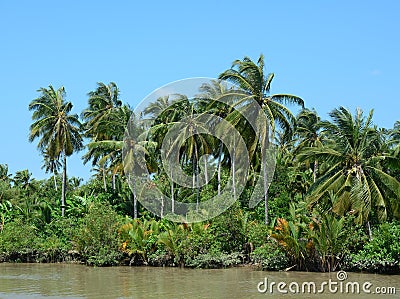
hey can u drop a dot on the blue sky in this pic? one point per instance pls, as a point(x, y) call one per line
point(331, 53)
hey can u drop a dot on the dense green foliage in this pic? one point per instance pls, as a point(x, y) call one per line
point(334, 202)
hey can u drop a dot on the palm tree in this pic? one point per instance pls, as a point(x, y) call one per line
point(51, 164)
point(57, 128)
point(105, 118)
point(4, 175)
point(395, 137)
point(133, 150)
point(189, 144)
point(23, 179)
point(210, 97)
point(102, 103)
point(252, 79)
point(154, 109)
point(102, 151)
point(308, 129)
point(356, 175)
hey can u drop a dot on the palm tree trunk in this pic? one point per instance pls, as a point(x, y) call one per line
point(265, 178)
point(64, 184)
point(315, 170)
point(219, 167)
point(104, 180)
point(233, 168)
point(369, 231)
point(113, 181)
point(172, 194)
point(205, 170)
point(196, 177)
point(162, 207)
point(135, 214)
point(55, 181)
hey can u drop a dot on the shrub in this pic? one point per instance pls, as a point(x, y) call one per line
point(97, 237)
point(257, 233)
point(381, 254)
point(18, 237)
point(196, 239)
point(228, 229)
point(270, 257)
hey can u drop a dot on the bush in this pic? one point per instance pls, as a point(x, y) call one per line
point(228, 229)
point(196, 240)
point(270, 257)
point(97, 238)
point(381, 254)
point(18, 242)
point(257, 233)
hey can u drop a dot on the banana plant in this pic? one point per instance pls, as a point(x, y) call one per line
point(6, 208)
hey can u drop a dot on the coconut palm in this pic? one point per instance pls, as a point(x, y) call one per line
point(4, 175)
point(210, 97)
point(51, 164)
point(23, 179)
point(395, 137)
point(308, 130)
point(56, 128)
point(355, 175)
point(105, 119)
point(133, 150)
point(252, 79)
point(189, 142)
point(101, 104)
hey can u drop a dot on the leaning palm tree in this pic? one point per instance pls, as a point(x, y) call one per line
point(356, 174)
point(252, 79)
point(56, 128)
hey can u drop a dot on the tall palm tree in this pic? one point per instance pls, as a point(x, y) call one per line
point(105, 118)
point(190, 144)
point(356, 174)
point(133, 150)
point(101, 104)
point(308, 129)
point(210, 97)
point(252, 79)
point(56, 128)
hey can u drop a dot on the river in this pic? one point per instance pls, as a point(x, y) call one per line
point(79, 281)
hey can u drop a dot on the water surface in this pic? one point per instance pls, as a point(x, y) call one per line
point(78, 281)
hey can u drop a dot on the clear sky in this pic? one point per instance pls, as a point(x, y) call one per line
point(330, 53)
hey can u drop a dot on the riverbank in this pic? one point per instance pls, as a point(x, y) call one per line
point(103, 238)
point(201, 262)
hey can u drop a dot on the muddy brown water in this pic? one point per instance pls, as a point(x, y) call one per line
point(78, 281)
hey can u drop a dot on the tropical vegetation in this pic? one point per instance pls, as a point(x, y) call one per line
point(334, 200)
